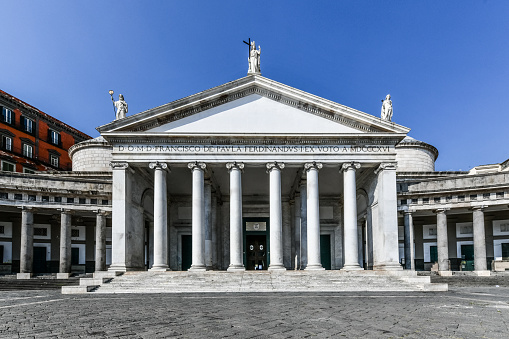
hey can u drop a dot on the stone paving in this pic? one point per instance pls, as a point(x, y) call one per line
point(476, 311)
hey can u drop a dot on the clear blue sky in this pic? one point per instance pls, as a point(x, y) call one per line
point(445, 63)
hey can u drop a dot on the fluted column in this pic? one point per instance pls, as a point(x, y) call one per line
point(27, 243)
point(236, 260)
point(442, 245)
point(100, 241)
point(276, 217)
point(351, 241)
point(409, 241)
point(65, 245)
point(198, 222)
point(160, 217)
point(313, 216)
point(479, 239)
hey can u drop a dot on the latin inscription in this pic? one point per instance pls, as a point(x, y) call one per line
point(248, 149)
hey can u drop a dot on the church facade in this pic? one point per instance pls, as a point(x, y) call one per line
point(257, 175)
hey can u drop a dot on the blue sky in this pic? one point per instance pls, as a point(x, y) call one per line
point(445, 63)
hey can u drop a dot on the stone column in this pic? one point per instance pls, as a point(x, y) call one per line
point(65, 245)
point(160, 217)
point(409, 241)
point(479, 240)
point(198, 222)
point(351, 240)
point(296, 230)
point(303, 225)
point(27, 244)
point(213, 221)
point(208, 225)
point(236, 258)
point(442, 245)
point(313, 216)
point(100, 241)
point(276, 217)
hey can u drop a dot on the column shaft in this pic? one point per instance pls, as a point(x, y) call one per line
point(409, 241)
point(236, 258)
point(65, 242)
point(100, 242)
point(27, 241)
point(351, 240)
point(303, 225)
point(276, 217)
point(442, 246)
point(313, 217)
point(160, 218)
point(208, 225)
point(198, 222)
point(479, 240)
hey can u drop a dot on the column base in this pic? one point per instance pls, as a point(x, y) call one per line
point(314, 267)
point(483, 273)
point(276, 268)
point(388, 267)
point(63, 275)
point(24, 275)
point(197, 268)
point(352, 268)
point(159, 268)
point(445, 273)
point(236, 268)
point(117, 268)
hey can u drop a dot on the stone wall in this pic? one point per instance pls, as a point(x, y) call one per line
point(91, 155)
point(414, 159)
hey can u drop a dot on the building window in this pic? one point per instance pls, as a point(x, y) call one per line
point(40, 231)
point(45, 198)
point(8, 166)
point(58, 199)
point(4, 195)
point(2, 229)
point(7, 143)
point(414, 201)
point(425, 200)
point(93, 201)
point(105, 202)
point(31, 198)
point(448, 199)
point(500, 195)
point(18, 196)
point(486, 196)
point(54, 137)
point(28, 151)
point(403, 202)
point(53, 159)
point(461, 198)
point(70, 200)
point(28, 125)
point(473, 196)
point(436, 200)
point(82, 201)
point(75, 233)
point(7, 115)
point(28, 170)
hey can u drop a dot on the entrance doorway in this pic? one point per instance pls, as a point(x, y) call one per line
point(256, 252)
point(39, 260)
point(467, 257)
point(187, 252)
point(325, 251)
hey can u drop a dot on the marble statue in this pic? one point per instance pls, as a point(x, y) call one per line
point(254, 59)
point(387, 108)
point(121, 106)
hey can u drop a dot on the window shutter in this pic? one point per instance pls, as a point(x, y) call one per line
point(22, 123)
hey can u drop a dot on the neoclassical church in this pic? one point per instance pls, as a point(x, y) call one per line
point(254, 175)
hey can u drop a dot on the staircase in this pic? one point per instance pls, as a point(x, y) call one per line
point(254, 281)
point(10, 283)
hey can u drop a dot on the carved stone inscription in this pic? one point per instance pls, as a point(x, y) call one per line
point(251, 149)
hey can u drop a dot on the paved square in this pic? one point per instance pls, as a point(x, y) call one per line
point(463, 312)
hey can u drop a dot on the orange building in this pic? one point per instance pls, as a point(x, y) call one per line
point(33, 140)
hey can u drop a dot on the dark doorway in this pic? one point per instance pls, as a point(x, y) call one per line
point(1, 254)
point(467, 257)
point(325, 251)
point(433, 254)
point(75, 256)
point(505, 251)
point(39, 260)
point(187, 252)
point(256, 252)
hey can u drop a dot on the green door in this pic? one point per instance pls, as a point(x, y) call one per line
point(256, 252)
point(187, 252)
point(39, 263)
point(467, 257)
point(325, 251)
point(75, 256)
point(433, 254)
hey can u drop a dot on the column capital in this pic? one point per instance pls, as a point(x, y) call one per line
point(386, 166)
point(275, 165)
point(440, 210)
point(65, 211)
point(350, 165)
point(196, 166)
point(119, 165)
point(478, 208)
point(313, 165)
point(159, 166)
point(103, 212)
point(235, 165)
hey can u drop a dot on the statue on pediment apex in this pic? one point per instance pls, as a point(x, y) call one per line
point(121, 106)
point(387, 108)
point(254, 59)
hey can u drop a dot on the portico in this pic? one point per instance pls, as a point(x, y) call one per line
point(251, 149)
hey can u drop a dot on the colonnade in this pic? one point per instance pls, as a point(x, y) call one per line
point(202, 223)
point(64, 270)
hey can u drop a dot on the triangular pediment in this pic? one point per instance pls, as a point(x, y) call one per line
point(252, 105)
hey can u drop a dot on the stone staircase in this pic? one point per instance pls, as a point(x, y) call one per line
point(254, 281)
point(47, 282)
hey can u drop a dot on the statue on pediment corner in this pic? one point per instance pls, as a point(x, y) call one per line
point(254, 59)
point(387, 108)
point(120, 105)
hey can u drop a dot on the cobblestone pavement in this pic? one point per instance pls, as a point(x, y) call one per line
point(463, 312)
